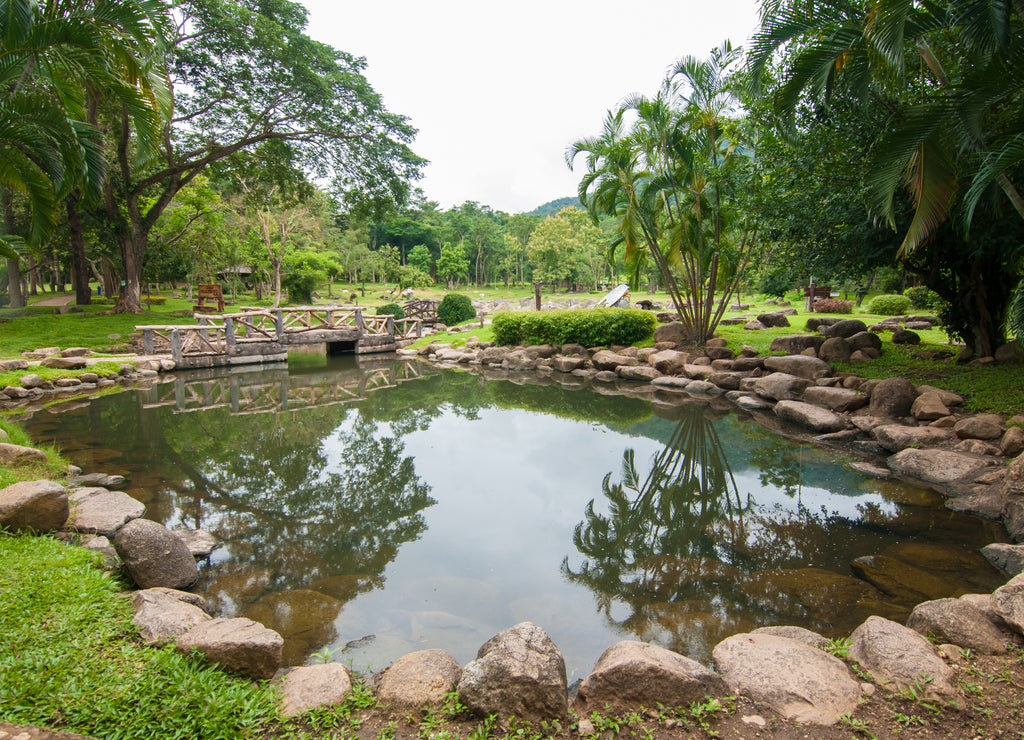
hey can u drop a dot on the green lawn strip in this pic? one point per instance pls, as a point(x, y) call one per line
point(90, 329)
point(54, 467)
point(71, 660)
point(103, 369)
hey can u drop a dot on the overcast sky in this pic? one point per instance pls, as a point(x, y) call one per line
point(498, 90)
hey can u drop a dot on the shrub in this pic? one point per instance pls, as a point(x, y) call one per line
point(391, 309)
point(591, 327)
point(833, 305)
point(889, 305)
point(921, 297)
point(153, 300)
point(455, 308)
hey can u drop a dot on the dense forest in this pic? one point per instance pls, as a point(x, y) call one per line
point(871, 145)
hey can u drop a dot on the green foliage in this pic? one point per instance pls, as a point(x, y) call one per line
point(61, 607)
point(774, 280)
point(923, 298)
point(420, 258)
point(889, 305)
point(303, 272)
point(591, 328)
point(453, 265)
point(455, 308)
point(391, 309)
point(833, 305)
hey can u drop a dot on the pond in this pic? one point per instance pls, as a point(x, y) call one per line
point(368, 508)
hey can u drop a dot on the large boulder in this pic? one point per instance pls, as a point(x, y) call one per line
point(957, 622)
point(518, 672)
point(239, 646)
point(160, 617)
point(934, 466)
point(901, 658)
point(1013, 498)
point(1008, 558)
point(981, 426)
point(929, 407)
point(797, 681)
point(64, 363)
point(310, 687)
point(605, 359)
point(1009, 600)
point(845, 328)
point(892, 397)
point(865, 340)
point(630, 675)
point(99, 511)
point(773, 319)
point(418, 680)
point(780, 386)
point(36, 505)
point(836, 399)
point(11, 454)
point(835, 349)
point(896, 437)
point(154, 556)
point(800, 365)
point(669, 361)
point(796, 343)
point(809, 416)
point(673, 332)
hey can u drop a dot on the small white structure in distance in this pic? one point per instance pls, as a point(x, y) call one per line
point(617, 298)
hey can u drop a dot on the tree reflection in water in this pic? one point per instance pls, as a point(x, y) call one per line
point(659, 549)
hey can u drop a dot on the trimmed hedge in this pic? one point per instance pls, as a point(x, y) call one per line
point(455, 308)
point(889, 305)
point(590, 327)
point(391, 309)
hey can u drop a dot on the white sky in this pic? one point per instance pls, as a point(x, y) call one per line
point(499, 90)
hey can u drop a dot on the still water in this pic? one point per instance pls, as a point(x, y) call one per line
point(368, 508)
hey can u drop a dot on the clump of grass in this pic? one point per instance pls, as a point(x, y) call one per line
point(72, 661)
point(54, 467)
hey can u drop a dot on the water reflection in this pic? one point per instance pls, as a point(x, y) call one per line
point(378, 507)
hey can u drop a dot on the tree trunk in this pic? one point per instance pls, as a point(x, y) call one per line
point(80, 273)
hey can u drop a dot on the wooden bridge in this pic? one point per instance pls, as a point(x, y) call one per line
point(264, 334)
point(273, 391)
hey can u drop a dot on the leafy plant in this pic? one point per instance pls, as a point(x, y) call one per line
point(455, 308)
point(889, 305)
point(591, 328)
point(922, 297)
point(391, 309)
point(833, 305)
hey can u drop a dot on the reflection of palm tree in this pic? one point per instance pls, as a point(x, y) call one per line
point(658, 543)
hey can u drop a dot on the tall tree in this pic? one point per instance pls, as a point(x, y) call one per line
point(247, 77)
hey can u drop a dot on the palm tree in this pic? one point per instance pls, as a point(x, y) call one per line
point(952, 74)
point(54, 58)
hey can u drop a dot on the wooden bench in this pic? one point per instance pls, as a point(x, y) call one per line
point(209, 292)
point(813, 292)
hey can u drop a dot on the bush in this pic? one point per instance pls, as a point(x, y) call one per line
point(923, 298)
point(591, 328)
point(455, 308)
point(832, 305)
point(889, 305)
point(391, 309)
point(153, 300)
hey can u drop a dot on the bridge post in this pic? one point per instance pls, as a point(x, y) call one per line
point(360, 324)
point(390, 327)
point(279, 324)
point(147, 341)
point(229, 335)
point(176, 345)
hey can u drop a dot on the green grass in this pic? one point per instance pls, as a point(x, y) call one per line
point(70, 658)
point(54, 467)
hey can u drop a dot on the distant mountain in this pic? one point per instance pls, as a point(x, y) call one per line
point(552, 207)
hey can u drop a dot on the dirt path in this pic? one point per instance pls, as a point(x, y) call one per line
point(58, 300)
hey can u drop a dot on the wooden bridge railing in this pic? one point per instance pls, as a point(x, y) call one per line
point(181, 340)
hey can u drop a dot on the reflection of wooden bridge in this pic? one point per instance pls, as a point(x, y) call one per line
point(277, 390)
point(264, 334)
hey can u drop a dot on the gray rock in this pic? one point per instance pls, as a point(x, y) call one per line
point(607, 360)
point(161, 618)
point(892, 397)
point(797, 681)
point(99, 511)
point(568, 364)
point(901, 658)
point(929, 407)
point(905, 336)
point(631, 674)
point(835, 349)
point(1009, 600)
point(37, 505)
point(981, 426)
point(1010, 352)
point(935, 466)
point(31, 380)
point(198, 542)
point(520, 359)
point(518, 672)
point(1012, 443)
point(865, 340)
point(672, 332)
point(773, 319)
point(64, 363)
point(309, 687)
point(669, 361)
point(184, 596)
point(947, 397)
point(418, 680)
point(154, 556)
point(1013, 498)
point(957, 622)
point(896, 437)
point(640, 372)
point(809, 416)
point(239, 646)
point(753, 403)
point(8, 365)
point(19, 455)
point(800, 634)
point(754, 325)
point(1008, 558)
point(671, 381)
point(781, 386)
point(16, 392)
point(837, 399)
point(797, 343)
point(844, 328)
point(800, 365)
point(704, 387)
